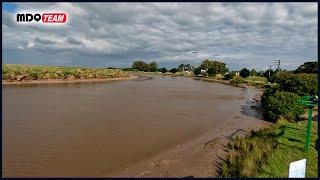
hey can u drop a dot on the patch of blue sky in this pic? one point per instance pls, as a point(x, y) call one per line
point(9, 7)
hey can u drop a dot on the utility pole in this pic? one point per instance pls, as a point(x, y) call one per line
point(278, 64)
point(269, 70)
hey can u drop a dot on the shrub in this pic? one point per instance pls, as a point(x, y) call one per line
point(219, 76)
point(301, 84)
point(197, 71)
point(229, 75)
point(236, 80)
point(34, 75)
point(163, 70)
point(11, 71)
point(308, 67)
point(247, 155)
point(278, 104)
point(128, 69)
point(173, 70)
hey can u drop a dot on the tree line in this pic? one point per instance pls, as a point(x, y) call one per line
point(213, 67)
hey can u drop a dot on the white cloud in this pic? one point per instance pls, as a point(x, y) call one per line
point(251, 34)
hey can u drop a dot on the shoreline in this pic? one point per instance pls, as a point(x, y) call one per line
point(58, 81)
point(225, 82)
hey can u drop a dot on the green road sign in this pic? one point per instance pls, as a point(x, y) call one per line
point(309, 102)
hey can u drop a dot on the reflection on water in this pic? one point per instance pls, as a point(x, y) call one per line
point(92, 129)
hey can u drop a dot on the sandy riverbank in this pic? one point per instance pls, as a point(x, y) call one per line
point(55, 81)
point(199, 157)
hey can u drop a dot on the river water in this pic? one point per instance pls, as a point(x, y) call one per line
point(93, 129)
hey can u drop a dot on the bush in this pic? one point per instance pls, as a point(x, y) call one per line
point(244, 73)
point(197, 71)
point(229, 75)
point(301, 84)
point(281, 104)
point(219, 76)
point(12, 71)
point(163, 70)
point(128, 69)
point(173, 70)
point(247, 155)
point(308, 67)
point(236, 80)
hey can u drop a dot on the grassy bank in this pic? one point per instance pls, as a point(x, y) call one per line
point(268, 152)
point(15, 72)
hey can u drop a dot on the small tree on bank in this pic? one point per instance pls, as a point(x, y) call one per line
point(244, 73)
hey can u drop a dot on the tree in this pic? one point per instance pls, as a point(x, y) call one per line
point(260, 73)
point(140, 65)
point(153, 66)
point(205, 64)
point(184, 67)
point(173, 70)
point(211, 71)
point(219, 67)
point(253, 72)
point(301, 84)
point(244, 73)
point(181, 68)
point(308, 67)
point(197, 71)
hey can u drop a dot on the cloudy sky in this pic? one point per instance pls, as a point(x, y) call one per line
point(251, 35)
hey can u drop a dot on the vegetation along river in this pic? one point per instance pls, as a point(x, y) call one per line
point(118, 128)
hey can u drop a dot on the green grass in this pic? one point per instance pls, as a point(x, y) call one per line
point(256, 78)
point(290, 149)
point(256, 81)
point(268, 152)
point(34, 72)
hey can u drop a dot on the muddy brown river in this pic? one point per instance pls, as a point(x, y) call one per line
point(101, 129)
